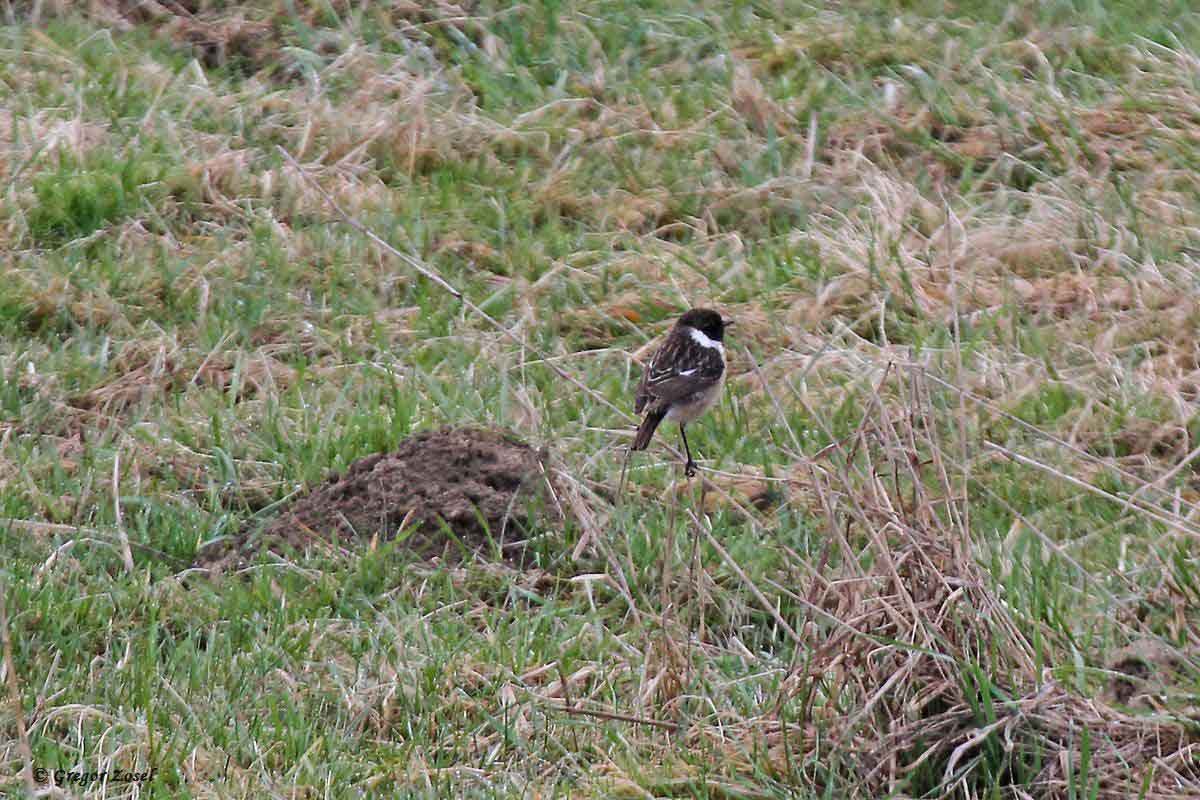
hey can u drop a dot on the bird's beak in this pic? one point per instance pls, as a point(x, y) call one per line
point(728, 322)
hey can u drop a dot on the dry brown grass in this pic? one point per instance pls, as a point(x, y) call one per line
point(902, 622)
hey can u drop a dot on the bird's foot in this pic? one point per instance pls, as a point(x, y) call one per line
point(689, 469)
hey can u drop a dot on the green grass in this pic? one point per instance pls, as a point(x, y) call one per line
point(189, 336)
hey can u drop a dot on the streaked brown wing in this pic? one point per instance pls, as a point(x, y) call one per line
point(681, 367)
point(681, 386)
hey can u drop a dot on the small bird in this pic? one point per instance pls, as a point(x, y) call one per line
point(684, 377)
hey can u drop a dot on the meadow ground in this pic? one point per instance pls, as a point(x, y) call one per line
point(948, 543)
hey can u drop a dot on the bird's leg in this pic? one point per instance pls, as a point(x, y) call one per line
point(689, 468)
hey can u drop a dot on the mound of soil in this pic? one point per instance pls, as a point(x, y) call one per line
point(1143, 670)
point(452, 491)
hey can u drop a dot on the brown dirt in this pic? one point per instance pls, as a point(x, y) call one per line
point(1144, 671)
point(462, 477)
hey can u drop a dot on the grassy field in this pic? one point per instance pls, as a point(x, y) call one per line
point(950, 495)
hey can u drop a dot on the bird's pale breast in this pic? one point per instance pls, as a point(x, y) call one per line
point(693, 407)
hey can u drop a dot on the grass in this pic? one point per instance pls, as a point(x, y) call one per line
point(950, 482)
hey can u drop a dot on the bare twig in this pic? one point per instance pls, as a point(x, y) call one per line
point(741, 573)
point(1058, 440)
point(1176, 523)
point(616, 717)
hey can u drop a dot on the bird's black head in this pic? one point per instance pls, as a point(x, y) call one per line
point(706, 321)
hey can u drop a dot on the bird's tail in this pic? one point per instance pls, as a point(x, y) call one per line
point(646, 430)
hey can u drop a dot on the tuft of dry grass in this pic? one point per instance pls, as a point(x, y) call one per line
point(942, 677)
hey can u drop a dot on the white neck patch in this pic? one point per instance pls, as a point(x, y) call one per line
point(699, 338)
